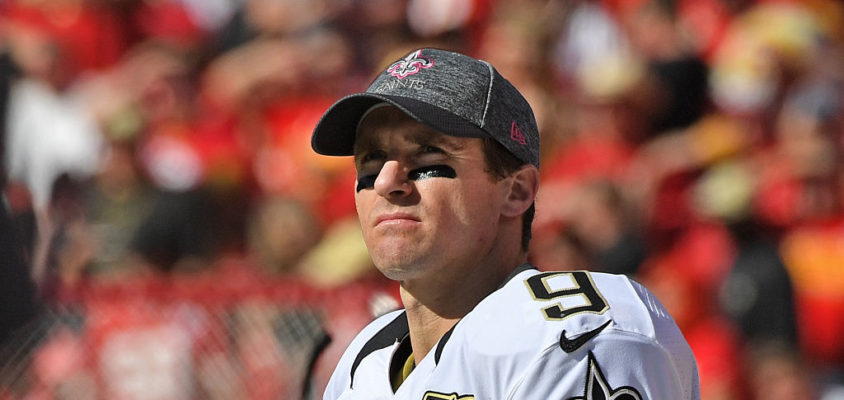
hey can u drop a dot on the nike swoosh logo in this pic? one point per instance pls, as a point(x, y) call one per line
point(570, 345)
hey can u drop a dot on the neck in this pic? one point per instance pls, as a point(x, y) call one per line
point(436, 304)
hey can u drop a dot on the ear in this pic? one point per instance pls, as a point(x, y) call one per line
point(521, 191)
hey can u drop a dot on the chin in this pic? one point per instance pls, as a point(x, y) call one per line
point(395, 273)
point(399, 269)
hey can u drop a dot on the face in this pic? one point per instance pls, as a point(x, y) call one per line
point(424, 199)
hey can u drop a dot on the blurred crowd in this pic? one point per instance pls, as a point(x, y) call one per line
point(694, 145)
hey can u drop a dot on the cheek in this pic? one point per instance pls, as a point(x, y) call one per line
point(475, 207)
point(362, 206)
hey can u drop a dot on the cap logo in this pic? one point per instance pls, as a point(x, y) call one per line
point(516, 134)
point(410, 65)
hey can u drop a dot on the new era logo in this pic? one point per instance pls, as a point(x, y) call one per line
point(516, 134)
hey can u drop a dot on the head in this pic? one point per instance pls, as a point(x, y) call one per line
point(447, 154)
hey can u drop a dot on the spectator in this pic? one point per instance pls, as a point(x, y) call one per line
point(18, 304)
point(597, 219)
point(280, 233)
point(777, 372)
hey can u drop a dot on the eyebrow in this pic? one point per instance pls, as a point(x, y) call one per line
point(421, 137)
point(432, 137)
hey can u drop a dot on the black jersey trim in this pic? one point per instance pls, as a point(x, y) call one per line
point(400, 356)
point(441, 344)
point(387, 336)
point(521, 268)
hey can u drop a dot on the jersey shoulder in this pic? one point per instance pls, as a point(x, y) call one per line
point(571, 322)
point(536, 310)
point(378, 334)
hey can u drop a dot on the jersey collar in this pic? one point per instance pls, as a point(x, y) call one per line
point(398, 329)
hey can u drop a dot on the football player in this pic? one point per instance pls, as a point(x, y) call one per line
point(447, 159)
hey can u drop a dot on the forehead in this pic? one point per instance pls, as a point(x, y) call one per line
point(387, 123)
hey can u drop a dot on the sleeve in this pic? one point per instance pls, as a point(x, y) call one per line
point(616, 365)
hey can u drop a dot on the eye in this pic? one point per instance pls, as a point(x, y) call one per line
point(432, 149)
point(371, 156)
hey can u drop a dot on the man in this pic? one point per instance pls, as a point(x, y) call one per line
point(447, 155)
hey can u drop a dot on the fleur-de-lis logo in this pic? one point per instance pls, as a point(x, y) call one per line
point(597, 387)
point(410, 65)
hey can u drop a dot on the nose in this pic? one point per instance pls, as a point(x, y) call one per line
point(392, 180)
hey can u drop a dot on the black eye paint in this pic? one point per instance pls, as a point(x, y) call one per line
point(366, 182)
point(429, 171)
point(432, 171)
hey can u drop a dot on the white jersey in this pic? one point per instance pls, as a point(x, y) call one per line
point(543, 335)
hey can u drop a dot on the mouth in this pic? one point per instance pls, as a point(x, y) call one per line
point(396, 219)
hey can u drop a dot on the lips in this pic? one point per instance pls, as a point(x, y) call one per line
point(396, 218)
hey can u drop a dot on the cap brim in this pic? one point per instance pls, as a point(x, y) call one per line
point(334, 134)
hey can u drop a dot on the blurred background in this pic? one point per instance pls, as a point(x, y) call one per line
point(167, 233)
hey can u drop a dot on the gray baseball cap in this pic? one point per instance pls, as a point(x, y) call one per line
point(450, 92)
